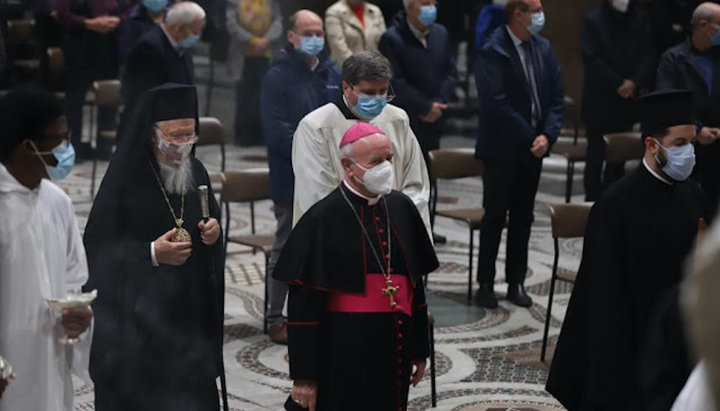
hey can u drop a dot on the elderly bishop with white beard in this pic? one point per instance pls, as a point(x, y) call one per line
point(157, 265)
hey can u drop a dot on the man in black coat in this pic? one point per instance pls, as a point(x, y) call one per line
point(521, 114)
point(163, 55)
point(618, 57)
point(425, 71)
point(695, 65)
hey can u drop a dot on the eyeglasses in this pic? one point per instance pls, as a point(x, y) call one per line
point(389, 95)
point(179, 138)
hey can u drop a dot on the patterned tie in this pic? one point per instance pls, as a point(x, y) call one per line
point(530, 74)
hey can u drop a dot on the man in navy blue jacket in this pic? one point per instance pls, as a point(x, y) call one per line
point(521, 114)
point(420, 52)
point(301, 79)
point(425, 73)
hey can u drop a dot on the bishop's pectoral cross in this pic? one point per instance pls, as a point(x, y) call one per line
point(390, 290)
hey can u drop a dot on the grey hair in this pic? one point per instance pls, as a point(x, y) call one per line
point(705, 11)
point(347, 151)
point(185, 12)
point(366, 66)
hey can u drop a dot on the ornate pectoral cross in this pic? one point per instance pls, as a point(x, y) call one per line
point(390, 290)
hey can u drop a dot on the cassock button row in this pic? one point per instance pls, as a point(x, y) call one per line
point(381, 230)
point(384, 243)
point(377, 218)
point(399, 347)
point(400, 322)
point(400, 335)
point(387, 256)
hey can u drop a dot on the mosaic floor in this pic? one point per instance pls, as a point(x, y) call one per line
point(486, 359)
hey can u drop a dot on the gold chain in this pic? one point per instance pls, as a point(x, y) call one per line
point(178, 221)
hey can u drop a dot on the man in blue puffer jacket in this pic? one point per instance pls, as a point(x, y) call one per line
point(301, 79)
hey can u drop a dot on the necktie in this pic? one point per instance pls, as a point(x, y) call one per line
point(532, 84)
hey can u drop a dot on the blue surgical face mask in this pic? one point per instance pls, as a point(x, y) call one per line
point(680, 161)
point(369, 107)
point(428, 15)
point(311, 46)
point(538, 22)
point(189, 41)
point(65, 156)
point(155, 6)
point(715, 40)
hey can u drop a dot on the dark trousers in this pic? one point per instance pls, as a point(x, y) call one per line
point(277, 291)
point(88, 58)
point(248, 128)
point(510, 186)
point(428, 136)
point(189, 394)
point(595, 180)
point(707, 172)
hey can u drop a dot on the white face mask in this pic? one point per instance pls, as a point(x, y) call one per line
point(379, 179)
point(173, 151)
point(621, 5)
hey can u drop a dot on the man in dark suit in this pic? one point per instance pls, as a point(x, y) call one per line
point(695, 65)
point(521, 114)
point(163, 55)
point(618, 56)
point(90, 54)
point(420, 52)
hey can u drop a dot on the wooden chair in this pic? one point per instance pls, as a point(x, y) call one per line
point(249, 186)
point(568, 221)
point(212, 133)
point(573, 153)
point(621, 147)
point(450, 164)
point(106, 95)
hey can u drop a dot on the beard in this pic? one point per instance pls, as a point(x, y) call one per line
point(178, 179)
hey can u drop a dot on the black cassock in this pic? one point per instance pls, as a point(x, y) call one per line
point(360, 357)
point(157, 341)
point(637, 239)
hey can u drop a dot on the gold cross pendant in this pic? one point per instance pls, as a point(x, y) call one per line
point(390, 290)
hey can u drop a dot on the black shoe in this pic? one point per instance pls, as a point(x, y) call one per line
point(517, 295)
point(439, 239)
point(485, 296)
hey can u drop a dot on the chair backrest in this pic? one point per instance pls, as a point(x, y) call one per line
point(211, 132)
point(217, 181)
point(107, 93)
point(569, 220)
point(56, 60)
point(623, 147)
point(247, 185)
point(452, 163)
point(20, 31)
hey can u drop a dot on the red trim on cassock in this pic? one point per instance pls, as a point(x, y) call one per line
point(373, 300)
point(303, 323)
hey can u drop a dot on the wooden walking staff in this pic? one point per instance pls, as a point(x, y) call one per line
point(204, 205)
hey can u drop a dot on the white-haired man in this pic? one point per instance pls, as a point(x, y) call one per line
point(163, 55)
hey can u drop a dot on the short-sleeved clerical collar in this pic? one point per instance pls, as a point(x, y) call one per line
point(656, 175)
point(371, 201)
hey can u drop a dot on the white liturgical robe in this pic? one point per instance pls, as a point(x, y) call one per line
point(316, 157)
point(41, 257)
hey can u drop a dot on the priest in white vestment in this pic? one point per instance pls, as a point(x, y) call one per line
point(316, 156)
point(41, 257)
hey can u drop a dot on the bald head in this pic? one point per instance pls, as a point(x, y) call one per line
point(304, 23)
point(303, 18)
point(706, 12)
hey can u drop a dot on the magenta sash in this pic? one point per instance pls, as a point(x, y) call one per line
point(373, 300)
